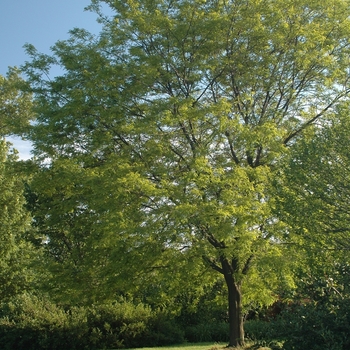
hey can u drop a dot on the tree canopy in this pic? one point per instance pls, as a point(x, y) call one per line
point(15, 105)
point(314, 190)
point(16, 254)
point(160, 140)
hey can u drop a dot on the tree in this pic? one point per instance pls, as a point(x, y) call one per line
point(180, 112)
point(15, 253)
point(15, 104)
point(313, 197)
point(313, 193)
point(316, 182)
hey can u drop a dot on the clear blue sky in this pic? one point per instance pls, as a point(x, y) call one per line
point(41, 23)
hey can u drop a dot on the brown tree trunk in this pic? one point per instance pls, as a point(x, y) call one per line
point(234, 306)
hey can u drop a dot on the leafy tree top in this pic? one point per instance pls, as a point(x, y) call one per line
point(170, 125)
point(15, 105)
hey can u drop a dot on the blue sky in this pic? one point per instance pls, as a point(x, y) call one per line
point(41, 23)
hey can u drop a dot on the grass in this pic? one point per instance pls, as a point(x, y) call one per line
point(209, 346)
point(189, 346)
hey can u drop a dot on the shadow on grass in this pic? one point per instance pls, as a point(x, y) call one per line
point(216, 346)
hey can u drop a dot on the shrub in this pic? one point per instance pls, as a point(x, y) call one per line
point(207, 332)
point(258, 330)
point(163, 330)
point(31, 322)
point(118, 325)
point(314, 326)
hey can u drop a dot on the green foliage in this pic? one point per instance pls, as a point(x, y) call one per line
point(316, 317)
point(164, 330)
point(312, 199)
point(159, 143)
point(124, 324)
point(16, 254)
point(208, 332)
point(323, 312)
point(15, 105)
point(117, 324)
point(203, 316)
point(258, 330)
point(313, 326)
point(313, 189)
point(34, 322)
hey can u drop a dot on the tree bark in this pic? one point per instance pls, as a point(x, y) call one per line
point(236, 330)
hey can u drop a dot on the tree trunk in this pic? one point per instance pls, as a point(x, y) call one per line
point(234, 307)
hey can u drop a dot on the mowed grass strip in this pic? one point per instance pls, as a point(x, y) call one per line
point(189, 346)
point(210, 346)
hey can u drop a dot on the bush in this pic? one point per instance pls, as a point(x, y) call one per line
point(118, 325)
point(31, 322)
point(258, 330)
point(204, 316)
point(163, 331)
point(207, 332)
point(314, 326)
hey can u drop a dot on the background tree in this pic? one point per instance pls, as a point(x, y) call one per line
point(16, 253)
point(15, 104)
point(16, 274)
point(172, 123)
point(313, 197)
point(316, 192)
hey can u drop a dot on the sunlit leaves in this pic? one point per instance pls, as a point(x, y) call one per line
point(316, 194)
point(163, 134)
point(15, 105)
point(15, 253)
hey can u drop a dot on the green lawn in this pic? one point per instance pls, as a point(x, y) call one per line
point(205, 346)
point(189, 346)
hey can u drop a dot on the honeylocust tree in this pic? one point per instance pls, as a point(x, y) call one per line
point(172, 123)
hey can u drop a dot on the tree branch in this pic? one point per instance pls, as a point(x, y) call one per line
point(312, 120)
point(213, 265)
